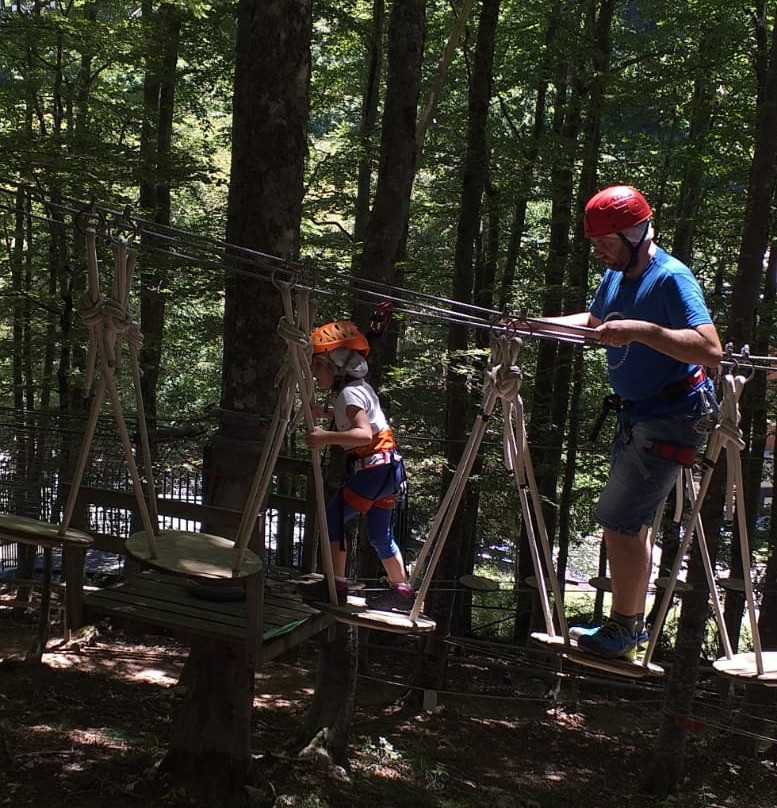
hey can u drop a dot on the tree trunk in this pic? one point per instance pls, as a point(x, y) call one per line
point(162, 35)
point(264, 209)
point(528, 163)
point(327, 730)
point(550, 395)
point(749, 287)
point(384, 237)
point(209, 752)
point(694, 152)
point(367, 129)
point(670, 754)
point(459, 418)
point(666, 769)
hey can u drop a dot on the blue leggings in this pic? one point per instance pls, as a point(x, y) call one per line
point(371, 492)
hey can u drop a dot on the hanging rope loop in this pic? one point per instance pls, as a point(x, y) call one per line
point(90, 311)
point(294, 337)
point(503, 375)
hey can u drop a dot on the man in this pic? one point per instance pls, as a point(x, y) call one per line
point(649, 312)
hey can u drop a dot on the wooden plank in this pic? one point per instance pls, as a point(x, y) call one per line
point(391, 621)
point(175, 623)
point(313, 626)
point(173, 614)
point(194, 555)
point(162, 600)
point(618, 666)
point(744, 668)
point(479, 583)
point(108, 599)
point(156, 585)
point(32, 531)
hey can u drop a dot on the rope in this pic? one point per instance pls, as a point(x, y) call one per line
point(207, 252)
point(726, 434)
point(108, 323)
point(503, 380)
point(286, 380)
point(300, 351)
point(443, 519)
point(506, 380)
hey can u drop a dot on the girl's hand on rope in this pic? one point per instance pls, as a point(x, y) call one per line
point(317, 438)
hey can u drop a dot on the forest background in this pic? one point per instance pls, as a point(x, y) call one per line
point(383, 145)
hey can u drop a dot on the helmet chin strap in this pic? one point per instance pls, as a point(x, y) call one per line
point(634, 248)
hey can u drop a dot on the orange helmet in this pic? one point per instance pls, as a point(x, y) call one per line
point(614, 209)
point(339, 334)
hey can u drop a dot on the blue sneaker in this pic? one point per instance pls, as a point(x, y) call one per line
point(576, 632)
point(612, 641)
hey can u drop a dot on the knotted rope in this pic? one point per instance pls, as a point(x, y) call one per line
point(505, 378)
point(294, 331)
point(300, 352)
point(109, 324)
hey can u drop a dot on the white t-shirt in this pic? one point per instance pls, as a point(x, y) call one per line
point(359, 394)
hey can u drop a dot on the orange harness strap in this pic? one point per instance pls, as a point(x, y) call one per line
point(362, 505)
point(383, 441)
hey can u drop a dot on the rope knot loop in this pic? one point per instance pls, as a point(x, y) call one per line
point(503, 374)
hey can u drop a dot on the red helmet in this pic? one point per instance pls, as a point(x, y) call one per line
point(614, 209)
point(340, 334)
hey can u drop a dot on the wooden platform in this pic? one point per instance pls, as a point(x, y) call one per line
point(199, 555)
point(620, 667)
point(161, 600)
point(744, 668)
point(43, 534)
point(357, 613)
point(74, 544)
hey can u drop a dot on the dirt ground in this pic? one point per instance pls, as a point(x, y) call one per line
point(87, 727)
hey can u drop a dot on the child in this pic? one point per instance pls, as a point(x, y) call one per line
point(374, 471)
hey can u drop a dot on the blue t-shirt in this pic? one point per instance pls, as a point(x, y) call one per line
point(665, 293)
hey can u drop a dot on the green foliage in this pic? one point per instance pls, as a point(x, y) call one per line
point(71, 95)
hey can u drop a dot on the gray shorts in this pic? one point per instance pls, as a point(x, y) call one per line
point(639, 479)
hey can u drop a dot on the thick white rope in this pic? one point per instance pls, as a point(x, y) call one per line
point(300, 352)
point(443, 519)
point(726, 434)
point(285, 380)
point(506, 378)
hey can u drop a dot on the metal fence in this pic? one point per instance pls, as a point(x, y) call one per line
point(37, 452)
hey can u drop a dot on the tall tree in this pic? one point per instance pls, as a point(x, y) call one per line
point(384, 236)
point(210, 749)
point(162, 27)
point(670, 753)
point(474, 173)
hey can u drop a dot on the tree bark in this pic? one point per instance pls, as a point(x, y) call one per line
point(367, 128)
point(385, 232)
point(210, 751)
point(550, 395)
point(459, 418)
point(162, 36)
point(327, 730)
point(666, 768)
point(670, 754)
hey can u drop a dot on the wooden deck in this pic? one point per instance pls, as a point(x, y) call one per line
point(153, 598)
